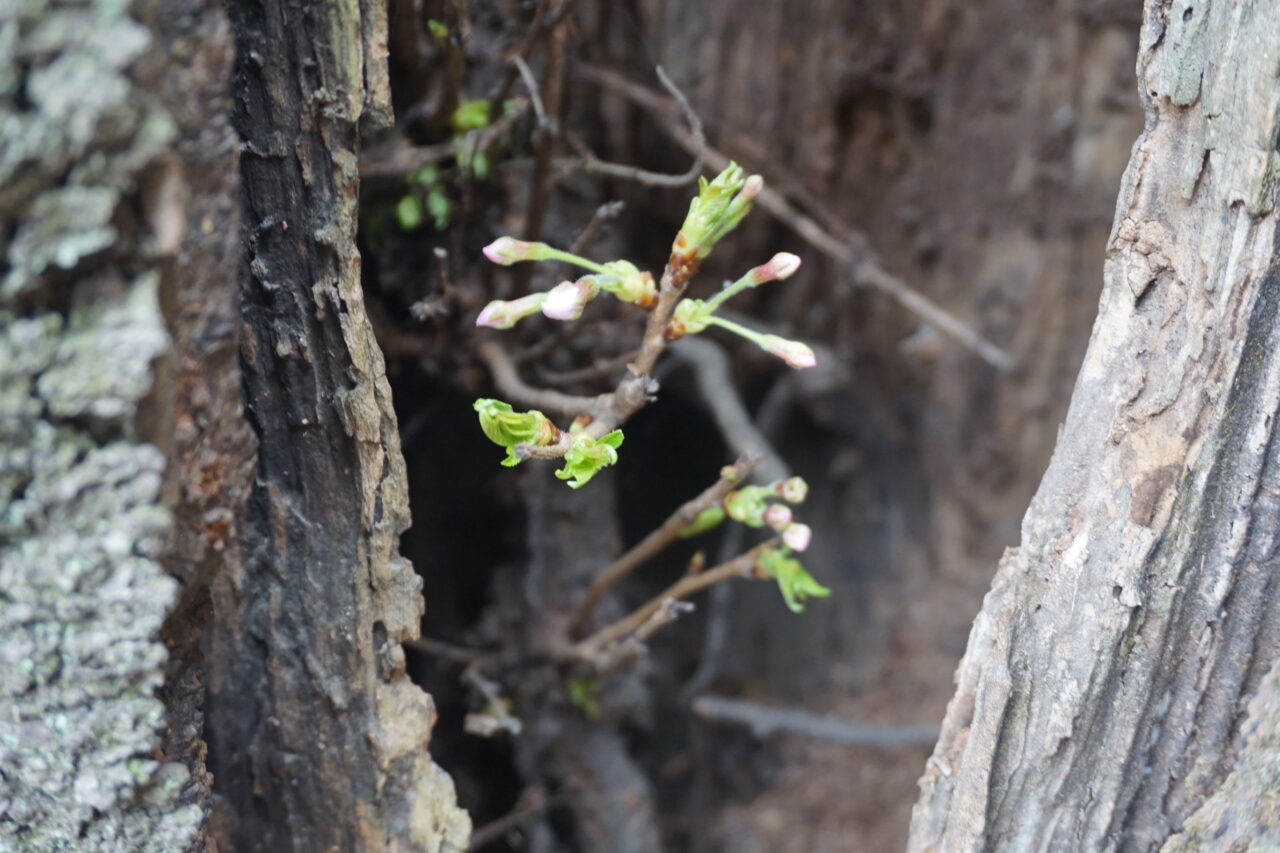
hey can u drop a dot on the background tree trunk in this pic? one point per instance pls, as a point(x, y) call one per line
point(1115, 693)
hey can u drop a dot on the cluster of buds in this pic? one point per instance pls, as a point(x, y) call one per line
point(718, 208)
point(692, 316)
point(568, 299)
point(756, 506)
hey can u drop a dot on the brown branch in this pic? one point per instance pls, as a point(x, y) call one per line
point(516, 390)
point(605, 212)
point(553, 99)
point(602, 368)
point(658, 539)
point(854, 254)
point(743, 565)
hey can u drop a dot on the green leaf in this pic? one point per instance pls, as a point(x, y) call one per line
point(438, 206)
point(480, 165)
point(470, 115)
point(747, 505)
point(794, 582)
point(507, 428)
point(709, 518)
point(438, 29)
point(587, 456)
point(409, 212)
point(426, 176)
point(584, 693)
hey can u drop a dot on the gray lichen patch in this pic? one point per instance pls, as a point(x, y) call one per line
point(82, 525)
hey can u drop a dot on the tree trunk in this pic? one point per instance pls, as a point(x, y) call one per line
point(1119, 688)
point(186, 399)
point(317, 738)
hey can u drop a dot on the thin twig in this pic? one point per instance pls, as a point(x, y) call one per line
point(658, 539)
point(633, 646)
point(396, 161)
point(742, 566)
point(448, 651)
point(711, 371)
point(602, 368)
point(605, 212)
point(764, 721)
point(531, 84)
point(854, 254)
point(527, 810)
point(517, 390)
point(594, 164)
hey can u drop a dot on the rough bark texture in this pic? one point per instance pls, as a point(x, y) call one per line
point(1103, 702)
point(82, 587)
point(317, 739)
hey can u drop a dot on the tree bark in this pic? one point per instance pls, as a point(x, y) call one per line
point(1115, 692)
point(317, 738)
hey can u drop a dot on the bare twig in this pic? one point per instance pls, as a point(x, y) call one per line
point(854, 254)
point(660, 538)
point(742, 566)
point(553, 99)
point(605, 212)
point(594, 164)
point(711, 371)
point(448, 651)
point(399, 159)
point(633, 646)
point(602, 368)
point(530, 807)
point(531, 84)
point(515, 389)
point(495, 717)
point(764, 721)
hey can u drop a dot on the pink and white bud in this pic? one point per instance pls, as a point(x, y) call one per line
point(793, 490)
point(778, 516)
point(503, 315)
point(751, 188)
point(794, 353)
point(797, 536)
point(508, 250)
point(567, 299)
point(780, 266)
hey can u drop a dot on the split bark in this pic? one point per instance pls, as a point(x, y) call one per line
point(1120, 684)
point(317, 738)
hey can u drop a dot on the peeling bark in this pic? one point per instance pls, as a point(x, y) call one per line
point(317, 738)
point(1103, 702)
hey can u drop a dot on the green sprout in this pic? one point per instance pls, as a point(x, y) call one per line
point(794, 582)
point(508, 428)
point(587, 456)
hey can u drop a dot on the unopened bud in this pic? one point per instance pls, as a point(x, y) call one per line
point(778, 516)
point(500, 314)
point(794, 353)
point(508, 250)
point(780, 266)
point(796, 536)
point(567, 299)
point(630, 284)
point(793, 490)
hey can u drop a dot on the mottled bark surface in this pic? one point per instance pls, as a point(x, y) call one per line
point(83, 526)
point(317, 739)
point(1104, 700)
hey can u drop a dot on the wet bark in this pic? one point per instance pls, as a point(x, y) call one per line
point(1119, 687)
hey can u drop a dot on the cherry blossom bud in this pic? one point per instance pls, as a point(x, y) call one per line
point(794, 353)
point(500, 314)
point(778, 516)
point(796, 536)
point(793, 490)
point(567, 299)
point(780, 266)
point(508, 250)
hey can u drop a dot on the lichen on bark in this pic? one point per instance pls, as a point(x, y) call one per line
point(83, 528)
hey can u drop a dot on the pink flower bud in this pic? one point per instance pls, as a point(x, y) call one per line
point(567, 299)
point(796, 536)
point(508, 250)
point(778, 516)
point(794, 353)
point(503, 315)
point(751, 188)
point(793, 490)
point(780, 266)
